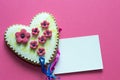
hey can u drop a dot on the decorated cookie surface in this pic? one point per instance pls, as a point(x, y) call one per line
point(39, 39)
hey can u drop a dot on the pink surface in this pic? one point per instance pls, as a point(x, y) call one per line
point(76, 18)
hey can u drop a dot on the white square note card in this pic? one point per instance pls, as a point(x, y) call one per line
point(79, 54)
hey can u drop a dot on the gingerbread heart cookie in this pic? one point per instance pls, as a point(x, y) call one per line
point(39, 39)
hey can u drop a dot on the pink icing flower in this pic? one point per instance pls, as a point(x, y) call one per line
point(33, 44)
point(48, 33)
point(59, 29)
point(45, 24)
point(41, 51)
point(35, 31)
point(22, 36)
point(42, 39)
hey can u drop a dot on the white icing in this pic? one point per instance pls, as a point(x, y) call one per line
point(25, 50)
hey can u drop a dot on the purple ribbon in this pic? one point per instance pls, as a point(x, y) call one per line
point(55, 61)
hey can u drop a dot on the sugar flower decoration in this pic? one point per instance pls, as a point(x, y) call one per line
point(33, 44)
point(35, 31)
point(42, 39)
point(22, 36)
point(45, 24)
point(48, 33)
point(41, 51)
point(59, 30)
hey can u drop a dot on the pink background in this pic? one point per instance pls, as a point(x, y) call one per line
point(76, 18)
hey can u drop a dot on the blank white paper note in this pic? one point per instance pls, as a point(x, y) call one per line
point(79, 54)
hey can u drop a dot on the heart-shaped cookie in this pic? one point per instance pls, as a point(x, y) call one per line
point(39, 39)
